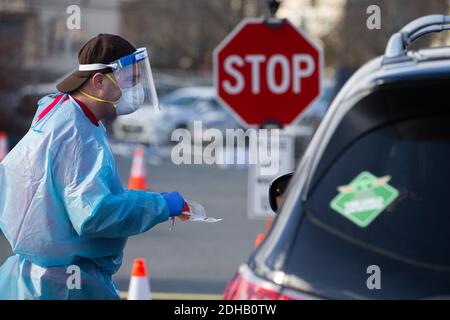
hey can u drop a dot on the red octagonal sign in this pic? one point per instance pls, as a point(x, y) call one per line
point(266, 72)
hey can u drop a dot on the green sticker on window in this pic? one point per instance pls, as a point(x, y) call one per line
point(364, 198)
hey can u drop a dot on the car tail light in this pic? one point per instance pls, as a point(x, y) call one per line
point(245, 285)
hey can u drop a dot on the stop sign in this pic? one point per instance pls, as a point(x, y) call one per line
point(266, 72)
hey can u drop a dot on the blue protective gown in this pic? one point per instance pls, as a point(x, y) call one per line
point(62, 203)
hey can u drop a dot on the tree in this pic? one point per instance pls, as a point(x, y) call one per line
point(352, 44)
point(180, 33)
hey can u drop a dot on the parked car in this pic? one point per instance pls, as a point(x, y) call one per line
point(366, 216)
point(179, 109)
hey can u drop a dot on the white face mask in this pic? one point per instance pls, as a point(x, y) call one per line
point(132, 99)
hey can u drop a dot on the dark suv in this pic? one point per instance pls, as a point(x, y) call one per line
point(367, 213)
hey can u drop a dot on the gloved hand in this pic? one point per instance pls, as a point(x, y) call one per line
point(175, 203)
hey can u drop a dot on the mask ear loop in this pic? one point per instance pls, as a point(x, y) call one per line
point(95, 98)
point(113, 81)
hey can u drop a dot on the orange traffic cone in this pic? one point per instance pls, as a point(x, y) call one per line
point(4, 147)
point(139, 283)
point(259, 239)
point(138, 176)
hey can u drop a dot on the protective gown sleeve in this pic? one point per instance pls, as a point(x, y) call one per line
point(95, 201)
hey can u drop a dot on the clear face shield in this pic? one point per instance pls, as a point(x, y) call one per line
point(132, 74)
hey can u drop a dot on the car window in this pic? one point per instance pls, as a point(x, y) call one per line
point(216, 105)
point(184, 101)
point(409, 238)
point(179, 100)
point(202, 105)
point(415, 224)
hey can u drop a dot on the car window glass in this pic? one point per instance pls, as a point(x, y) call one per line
point(415, 155)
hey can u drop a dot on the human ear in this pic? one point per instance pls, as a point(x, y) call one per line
point(97, 80)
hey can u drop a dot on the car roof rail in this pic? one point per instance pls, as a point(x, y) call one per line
point(398, 44)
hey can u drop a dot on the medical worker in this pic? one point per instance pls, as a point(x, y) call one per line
point(63, 208)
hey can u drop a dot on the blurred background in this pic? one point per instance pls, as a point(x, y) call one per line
point(37, 49)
